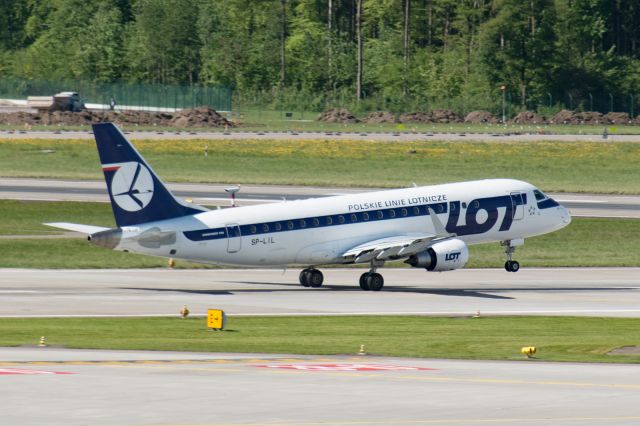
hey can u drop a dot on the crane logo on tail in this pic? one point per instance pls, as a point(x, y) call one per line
point(131, 185)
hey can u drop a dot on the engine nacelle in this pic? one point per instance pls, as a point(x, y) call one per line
point(442, 256)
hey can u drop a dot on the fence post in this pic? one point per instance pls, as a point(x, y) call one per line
point(611, 102)
point(631, 106)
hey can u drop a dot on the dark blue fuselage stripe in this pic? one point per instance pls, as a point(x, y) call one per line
point(316, 222)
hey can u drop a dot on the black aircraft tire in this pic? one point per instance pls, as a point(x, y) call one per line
point(304, 278)
point(363, 281)
point(515, 266)
point(375, 282)
point(315, 278)
point(507, 266)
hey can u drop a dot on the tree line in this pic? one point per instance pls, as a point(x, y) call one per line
point(397, 54)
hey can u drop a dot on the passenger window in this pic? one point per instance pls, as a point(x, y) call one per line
point(340, 219)
point(253, 229)
point(365, 216)
point(416, 211)
point(392, 213)
point(354, 218)
point(290, 225)
point(440, 208)
point(316, 222)
point(303, 223)
point(265, 228)
point(329, 220)
point(380, 214)
point(403, 212)
point(278, 226)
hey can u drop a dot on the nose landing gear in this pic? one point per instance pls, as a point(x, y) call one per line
point(510, 248)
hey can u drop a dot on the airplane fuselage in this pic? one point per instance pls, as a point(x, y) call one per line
point(319, 231)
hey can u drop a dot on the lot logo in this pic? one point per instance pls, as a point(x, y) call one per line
point(131, 185)
point(452, 256)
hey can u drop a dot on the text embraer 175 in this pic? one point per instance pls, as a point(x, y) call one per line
point(430, 226)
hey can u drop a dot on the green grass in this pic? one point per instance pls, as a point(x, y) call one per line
point(26, 217)
point(553, 166)
point(581, 339)
point(586, 242)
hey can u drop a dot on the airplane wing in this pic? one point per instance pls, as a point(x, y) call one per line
point(77, 227)
point(393, 247)
point(397, 246)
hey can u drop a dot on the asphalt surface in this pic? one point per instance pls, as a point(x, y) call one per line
point(159, 388)
point(333, 135)
point(213, 194)
point(531, 291)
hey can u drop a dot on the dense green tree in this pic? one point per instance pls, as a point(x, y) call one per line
point(415, 54)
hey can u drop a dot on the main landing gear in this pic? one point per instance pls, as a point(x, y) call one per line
point(510, 248)
point(311, 277)
point(369, 281)
point(372, 280)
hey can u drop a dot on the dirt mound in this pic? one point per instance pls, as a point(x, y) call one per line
point(618, 118)
point(479, 117)
point(573, 117)
point(445, 116)
point(435, 116)
point(197, 117)
point(380, 117)
point(337, 115)
point(415, 117)
point(528, 117)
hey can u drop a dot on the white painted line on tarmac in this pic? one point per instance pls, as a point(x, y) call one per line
point(596, 312)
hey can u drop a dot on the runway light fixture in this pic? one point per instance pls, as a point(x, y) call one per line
point(362, 351)
point(184, 312)
point(42, 343)
point(529, 351)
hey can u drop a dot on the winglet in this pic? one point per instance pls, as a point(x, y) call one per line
point(441, 231)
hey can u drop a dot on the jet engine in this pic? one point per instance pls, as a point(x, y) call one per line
point(442, 256)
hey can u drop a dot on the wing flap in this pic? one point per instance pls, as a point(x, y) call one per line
point(389, 247)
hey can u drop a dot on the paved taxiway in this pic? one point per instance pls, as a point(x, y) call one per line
point(547, 291)
point(214, 194)
point(160, 388)
point(331, 135)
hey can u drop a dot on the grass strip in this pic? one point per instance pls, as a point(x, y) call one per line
point(553, 166)
point(586, 242)
point(577, 339)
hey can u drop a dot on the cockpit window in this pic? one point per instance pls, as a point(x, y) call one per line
point(539, 195)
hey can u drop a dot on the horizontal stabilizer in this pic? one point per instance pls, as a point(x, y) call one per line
point(77, 227)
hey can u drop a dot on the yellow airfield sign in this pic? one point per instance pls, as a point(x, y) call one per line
point(216, 319)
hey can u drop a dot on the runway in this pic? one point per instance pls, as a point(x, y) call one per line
point(162, 388)
point(544, 291)
point(590, 205)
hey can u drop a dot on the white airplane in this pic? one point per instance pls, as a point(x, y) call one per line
point(430, 226)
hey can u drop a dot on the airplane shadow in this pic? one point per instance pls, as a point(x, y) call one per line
point(484, 293)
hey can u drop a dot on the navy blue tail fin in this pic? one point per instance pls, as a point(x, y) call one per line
point(137, 194)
